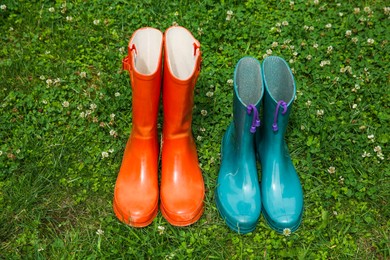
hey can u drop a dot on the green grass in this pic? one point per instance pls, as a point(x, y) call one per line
point(56, 189)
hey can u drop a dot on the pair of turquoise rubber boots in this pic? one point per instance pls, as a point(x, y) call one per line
point(239, 196)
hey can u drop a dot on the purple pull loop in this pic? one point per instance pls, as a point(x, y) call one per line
point(284, 105)
point(255, 117)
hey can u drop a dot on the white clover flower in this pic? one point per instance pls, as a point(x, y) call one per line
point(295, 53)
point(49, 82)
point(1, 153)
point(93, 106)
point(111, 150)
point(57, 81)
point(210, 94)
point(3, 7)
point(229, 15)
point(104, 155)
point(83, 74)
point(176, 13)
point(316, 2)
point(99, 232)
point(199, 138)
point(378, 149)
point(370, 41)
point(306, 27)
point(354, 106)
point(284, 23)
point(371, 136)
point(82, 114)
point(44, 102)
point(202, 129)
point(11, 29)
point(341, 180)
point(320, 112)
point(69, 18)
point(315, 45)
point(330, 49)
point(161, 229)
point(291, 61)
point(331, 169)
point(265, 55)
point(112, 132)
point(356, 10)
point(65, 104)
point(278, 25)
point(230, 82)
point(112, 116)
point(355, 39)
point(348, 33)
point(96, 21)
point(52, 10)
point(308, 103)
point(203, 112)
point(328, 26)
point(309, 57)
point(367, 9)
point(274, 44)
point(286, 232)
point(42, 77)
point(380, 156)
point(324, 62)
point(269, 52)
point(341, 14)
point(386, 10)
point(365, 154)
point(117, 94)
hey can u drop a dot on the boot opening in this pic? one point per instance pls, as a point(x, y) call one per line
point(147, 48)
point(248, 80)
point(179, 44)
point(278, 79)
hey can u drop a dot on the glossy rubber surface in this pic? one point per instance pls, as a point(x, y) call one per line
point(281, 190)
point(238, 195)
point(182, 188)
point(136, 188)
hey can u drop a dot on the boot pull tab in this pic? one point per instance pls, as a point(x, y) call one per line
point(126, 60)
point(196, 46)
point(255, 118)
point(133, 48)
point(284, 106)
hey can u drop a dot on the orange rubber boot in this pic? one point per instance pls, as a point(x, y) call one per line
point(136, 188)
point(182, 186)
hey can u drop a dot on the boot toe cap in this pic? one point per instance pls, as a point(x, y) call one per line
point(182, 212)
point(282, 221)
point(136, 213)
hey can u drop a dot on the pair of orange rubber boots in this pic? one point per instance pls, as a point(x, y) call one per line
point(136, 194)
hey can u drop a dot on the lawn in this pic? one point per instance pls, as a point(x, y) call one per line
point(65, 116)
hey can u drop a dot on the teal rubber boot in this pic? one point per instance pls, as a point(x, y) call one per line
point(238, 195)
point(281, 190)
